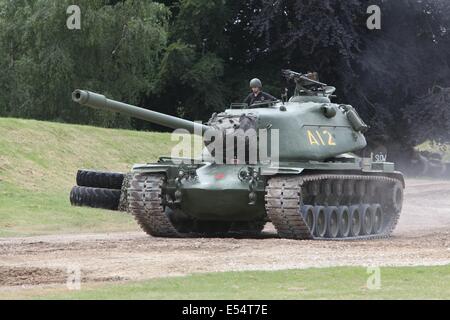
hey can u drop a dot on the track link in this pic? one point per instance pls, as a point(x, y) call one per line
point(283, 203)
point(146, 204)
point(285, 200)
point(145, 197)
point(99, 179)
point(123, 201)
point(95, 197)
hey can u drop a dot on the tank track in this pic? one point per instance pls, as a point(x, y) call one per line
point(287, 195)
point(123, 201)
point(95, 197)
point(145, 202)
point(99, 179)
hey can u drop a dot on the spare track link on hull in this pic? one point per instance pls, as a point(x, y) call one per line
point(146, 205)
point(284, 203)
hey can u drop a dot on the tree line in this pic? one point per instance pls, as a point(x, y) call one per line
point(190, 58)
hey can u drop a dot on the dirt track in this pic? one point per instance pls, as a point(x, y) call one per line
point(422, 238)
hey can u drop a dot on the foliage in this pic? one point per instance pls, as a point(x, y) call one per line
point(117, 51)
point(192, 57)
point(335, 283)
point(38, 164)
point(381, 72)
point(191, 73)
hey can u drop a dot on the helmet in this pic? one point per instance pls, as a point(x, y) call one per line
point(255, 83)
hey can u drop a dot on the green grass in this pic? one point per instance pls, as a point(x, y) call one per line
point(327, 283)
point(25, 213)
point(38, 163)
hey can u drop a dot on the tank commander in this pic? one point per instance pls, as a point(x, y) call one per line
point(257, 95)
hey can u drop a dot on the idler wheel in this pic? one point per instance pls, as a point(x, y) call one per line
point(396, 197)
point(366, 219)
point(377, 218)
point(355, 221)
point(321, 221)
point(332, 218)
point(310, 217)
point(344, 221)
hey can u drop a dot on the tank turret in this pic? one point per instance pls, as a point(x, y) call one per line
point(310, 127)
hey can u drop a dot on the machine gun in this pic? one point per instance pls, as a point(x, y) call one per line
point(306, 86)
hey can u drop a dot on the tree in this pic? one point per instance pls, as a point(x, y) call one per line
point(191, 73)
point(117, 51)
point(192, 57)
point(383, 72)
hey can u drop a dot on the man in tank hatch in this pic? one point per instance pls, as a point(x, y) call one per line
point(257, 95)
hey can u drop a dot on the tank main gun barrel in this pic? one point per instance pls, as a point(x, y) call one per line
point(98, 101)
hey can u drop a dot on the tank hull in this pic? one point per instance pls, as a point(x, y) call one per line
point(212, 192)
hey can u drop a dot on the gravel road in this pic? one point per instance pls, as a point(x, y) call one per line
point(421, 238)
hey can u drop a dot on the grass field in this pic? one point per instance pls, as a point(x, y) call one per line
point(38, 163)
point(327, 283)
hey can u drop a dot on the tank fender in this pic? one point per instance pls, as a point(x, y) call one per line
point(270, 171)
point(151, 168)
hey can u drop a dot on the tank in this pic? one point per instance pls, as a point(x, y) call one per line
point(308, 182)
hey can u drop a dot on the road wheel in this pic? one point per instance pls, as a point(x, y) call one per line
point(377, 218)
point(321, 221)
point(366, 219)
point(310, 218)
point(355, 221)
point(344, 221)
point(331, 214)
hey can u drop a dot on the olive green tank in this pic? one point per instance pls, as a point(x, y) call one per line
point(304, 179)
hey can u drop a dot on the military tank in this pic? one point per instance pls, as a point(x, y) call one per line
point(315, 187)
